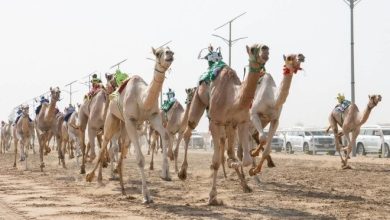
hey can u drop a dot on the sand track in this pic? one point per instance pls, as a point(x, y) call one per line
point(301, 186)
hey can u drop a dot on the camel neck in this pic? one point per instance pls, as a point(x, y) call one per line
point(284, 89)
point(52, 107)
point(365, 115)
point(248, 89)
point(25, 124)
point(154, 87)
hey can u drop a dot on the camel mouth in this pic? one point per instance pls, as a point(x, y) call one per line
point(170, 59)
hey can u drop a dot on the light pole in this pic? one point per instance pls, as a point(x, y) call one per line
point(230, 41)
point(70, 91)
point(351, 4)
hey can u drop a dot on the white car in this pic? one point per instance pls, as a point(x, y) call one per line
point(309, 140)
point(196, 141)
point(370, 141)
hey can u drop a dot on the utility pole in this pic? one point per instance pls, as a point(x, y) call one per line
point(89, 80)
point(118, 64)
point(230, 42)
point(70, 91)
point(352, 4)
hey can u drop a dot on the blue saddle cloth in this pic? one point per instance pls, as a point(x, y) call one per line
point(67, 116)
point(343, 106)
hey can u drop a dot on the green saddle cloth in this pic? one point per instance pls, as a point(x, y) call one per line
point(212, 72)
point(167, 105)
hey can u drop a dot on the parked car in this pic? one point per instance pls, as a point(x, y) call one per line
point(196, 141)
point(369, 140)
point(309, 140)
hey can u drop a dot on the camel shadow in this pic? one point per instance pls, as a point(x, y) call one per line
point(302, 191)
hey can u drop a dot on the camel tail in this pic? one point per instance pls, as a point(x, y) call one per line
point(327, 130)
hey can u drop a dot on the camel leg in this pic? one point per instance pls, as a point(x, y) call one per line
point(61, 146)
point(267, 150)
point(153, 143)
point(25, 150)
point(16, 149)
point(196, 111)
point(112, 126)
point(131, 129)
point(260, 147)
point(156, 122)
point(176, 151)
point(351, 142)
point(91, 138)
point(216, 161)
point(243, 134)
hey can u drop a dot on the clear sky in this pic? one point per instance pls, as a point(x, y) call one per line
point(52, 43)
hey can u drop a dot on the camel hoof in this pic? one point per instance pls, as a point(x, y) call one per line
point(151, 167)
point(113, 178)
point(14, 164)
point(346, 167)
point(104, 164)
point(89, 177)
point(71, 156)
point(254, 152)
point(182, 174)
point(170, 155)
point(247, 189)
point(215, 202)
point(166, 178)
point(271, 164)
point(82, 171)
point(252, 171)
point(147, 201)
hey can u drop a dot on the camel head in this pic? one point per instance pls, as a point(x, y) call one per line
point(111, 82)
point(258, 53)
point(164, 57)
point(374, 100)
point(55, 93)
point(190, 94)
point(293, 63)
point(25, 110)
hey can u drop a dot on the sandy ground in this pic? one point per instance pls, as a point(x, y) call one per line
point(300, 187)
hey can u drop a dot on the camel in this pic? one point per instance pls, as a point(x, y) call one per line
point(136, 102)
point(350, 122)
point(5, 137)
point(267, 107)
point(22, 135)
point(57, 134)
point(175, 121)
point(92, 114)
point(44, 122)
point(70, 136)
point(229, 109)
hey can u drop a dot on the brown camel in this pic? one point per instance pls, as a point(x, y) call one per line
point(267, 107)
point(45, 121)
point(92, 114)
point(136, 102)
point(5, 137)
point(22, 135)
point(350, 122)
point(229, 109)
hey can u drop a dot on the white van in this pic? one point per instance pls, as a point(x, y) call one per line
point(369, 140)
point(309, 140)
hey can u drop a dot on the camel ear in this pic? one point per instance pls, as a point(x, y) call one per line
point(379, 97)
point(369, 96)
point(51, 89)
point(154, 51)
point(284, 57)
point(248, 50)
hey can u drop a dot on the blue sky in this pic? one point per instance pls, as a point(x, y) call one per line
point(52, 43)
